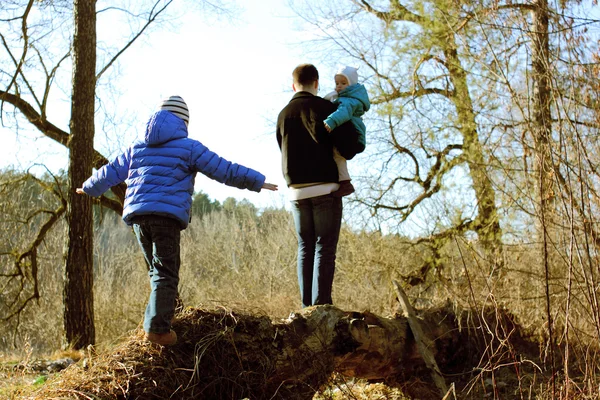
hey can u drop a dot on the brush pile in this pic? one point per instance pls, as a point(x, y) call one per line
point(224, 354)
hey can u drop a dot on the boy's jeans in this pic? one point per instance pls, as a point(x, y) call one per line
point(159, 238)
point(318, 221)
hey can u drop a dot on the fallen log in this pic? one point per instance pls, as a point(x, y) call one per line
point(225, 354)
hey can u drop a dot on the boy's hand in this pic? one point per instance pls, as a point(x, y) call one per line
point(327, 127)
point(79, 191)
point(269, 186)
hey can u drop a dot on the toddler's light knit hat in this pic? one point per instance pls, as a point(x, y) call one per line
point(350, 73)
point(177, 106)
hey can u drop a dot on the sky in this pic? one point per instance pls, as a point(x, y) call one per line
point(235, 76)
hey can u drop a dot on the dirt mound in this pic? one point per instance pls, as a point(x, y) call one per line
point(205, 363)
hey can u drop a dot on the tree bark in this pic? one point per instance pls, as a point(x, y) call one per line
point(487, 224)
point(79, 278)
point(541, 101)
point(541, 126)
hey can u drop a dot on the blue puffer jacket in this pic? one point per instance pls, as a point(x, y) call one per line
point(160, 170)
point(352, 103)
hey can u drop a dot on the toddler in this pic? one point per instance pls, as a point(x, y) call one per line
point(352, 102)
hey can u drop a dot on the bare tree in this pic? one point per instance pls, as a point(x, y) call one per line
point(79, 266)
point(33, 40)
point(427, 112)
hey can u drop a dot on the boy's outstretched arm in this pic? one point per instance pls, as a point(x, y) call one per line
point(107, 176)
point(269, 186)
point(231, 174)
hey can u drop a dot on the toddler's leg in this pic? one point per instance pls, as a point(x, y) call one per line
point(346, 187)
point(342, 166)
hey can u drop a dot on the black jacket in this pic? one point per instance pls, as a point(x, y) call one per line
point(306, 146)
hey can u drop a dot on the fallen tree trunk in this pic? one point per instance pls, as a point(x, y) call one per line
point(223, 354)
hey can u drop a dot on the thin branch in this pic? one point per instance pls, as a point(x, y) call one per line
point(25, 43)
point(49, 79)
point(152, 16)
point(415, 93)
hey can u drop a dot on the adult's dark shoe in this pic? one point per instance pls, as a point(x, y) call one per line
point(164, 339)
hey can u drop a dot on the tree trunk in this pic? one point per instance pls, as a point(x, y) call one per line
point(488, 224)
point(541, 126)
point(78, 291)
point(541, 101)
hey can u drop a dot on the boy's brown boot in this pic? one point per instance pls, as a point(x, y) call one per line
point(345, 189)
point(164, 339)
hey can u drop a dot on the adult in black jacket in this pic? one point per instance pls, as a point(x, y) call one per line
point(312, 177)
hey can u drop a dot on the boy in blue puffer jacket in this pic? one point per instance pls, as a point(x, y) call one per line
point(352, 102)
point(159, 171)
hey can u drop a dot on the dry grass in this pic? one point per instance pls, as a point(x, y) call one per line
point(19, 376)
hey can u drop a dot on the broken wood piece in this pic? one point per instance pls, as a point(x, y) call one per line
point(424, 344)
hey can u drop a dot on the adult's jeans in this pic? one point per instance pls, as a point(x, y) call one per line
point(318, 221)
point(159, 237)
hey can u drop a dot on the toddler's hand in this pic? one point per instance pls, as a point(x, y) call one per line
point(79, 191)
point(269, 186)
point(327, 127)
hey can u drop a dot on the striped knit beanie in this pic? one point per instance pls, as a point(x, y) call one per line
point(177, 106)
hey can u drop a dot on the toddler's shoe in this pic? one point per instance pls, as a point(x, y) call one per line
point(346, 188)
point(164, 339)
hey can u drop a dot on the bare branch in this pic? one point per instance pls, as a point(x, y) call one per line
point(435, 174)
point(154, 13)
point(517, 6)
point(47, 128)
point(397, 12)
point(396, 94)
point(43, 125)
point(49, 79)
point(25, 43)
point(53, 132)
point(111, 204)
point(457, 230)
point(20, 259)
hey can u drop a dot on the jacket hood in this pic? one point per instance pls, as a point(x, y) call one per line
point(358, 92)
point(163, 126)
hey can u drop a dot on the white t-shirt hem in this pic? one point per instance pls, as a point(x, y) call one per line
point(299, 192)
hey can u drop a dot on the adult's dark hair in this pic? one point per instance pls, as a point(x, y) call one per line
point(305, 74)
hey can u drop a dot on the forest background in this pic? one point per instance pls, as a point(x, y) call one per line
point(479, 185)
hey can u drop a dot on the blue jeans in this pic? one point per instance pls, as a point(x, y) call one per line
point(318, 221)
point(159, 238)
